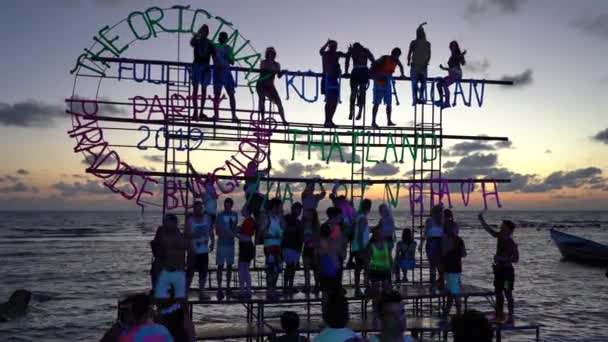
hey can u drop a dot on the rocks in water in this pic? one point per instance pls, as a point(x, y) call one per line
point(16, 305)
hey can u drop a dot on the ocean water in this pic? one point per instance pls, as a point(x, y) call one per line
point(77, 264)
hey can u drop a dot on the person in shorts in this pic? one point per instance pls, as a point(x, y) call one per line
point(226, 231)
point(199, 231)
point(380, 263)
point(311, 226)
point(173, 246)
point(293, 239)
point(360, 242)
point(506, 255)
point(330, 82)
point(454, 74)
point(274, 226)
point(222, 76)
point(452, 251)
point(405, 255)
point(200, 73)
point(359, 77)
point(269, 68)
point(382, 73)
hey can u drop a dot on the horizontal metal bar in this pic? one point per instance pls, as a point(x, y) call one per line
point(287, 72)
point(289, 179)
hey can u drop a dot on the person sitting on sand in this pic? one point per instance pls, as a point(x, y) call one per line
point(504, 274)
point(393, 320)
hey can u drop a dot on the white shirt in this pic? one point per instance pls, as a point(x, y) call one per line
point(336, 335)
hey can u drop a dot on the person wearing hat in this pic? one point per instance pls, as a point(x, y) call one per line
point(172, 253)
point(418, 58)
point(359, 77)
point(504, 275)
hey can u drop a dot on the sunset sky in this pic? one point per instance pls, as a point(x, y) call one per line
point(554, 116)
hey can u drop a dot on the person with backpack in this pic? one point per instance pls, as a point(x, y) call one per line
point(382, 72)
point(418, 58)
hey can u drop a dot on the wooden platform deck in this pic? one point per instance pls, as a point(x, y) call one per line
point(415, 326)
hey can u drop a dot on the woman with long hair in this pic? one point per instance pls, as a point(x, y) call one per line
point(454, 74)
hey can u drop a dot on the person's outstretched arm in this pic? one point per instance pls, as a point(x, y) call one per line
point(322, 50)
point(401, 68)
point(486, 226)
point(370, 56)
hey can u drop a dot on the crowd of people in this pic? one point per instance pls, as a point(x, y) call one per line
point(344, 238)
point(365, 68)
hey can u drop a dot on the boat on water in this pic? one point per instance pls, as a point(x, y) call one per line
point(579, 249)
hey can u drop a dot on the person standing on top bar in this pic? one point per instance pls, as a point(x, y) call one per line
point(359, 77)
point(269, 68)
point(330, 85)
point(222, 76)
point(203, 50)
point(418, 58)
point(382, 72)
point(504, 273)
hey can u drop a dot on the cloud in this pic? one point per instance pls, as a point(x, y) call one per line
point(595, 25)
point(477, 66)
point(382, 169)
point(571, 179)
point(503, 144)
point(481, 8)
point(449, 164)
point(103, 109)
point(17, 187)
point(601, 136)
point(89, 160)
point(520, 80)
point(155, 158)
point(78, 176)
point(548, 151)
point(478, 160)
point(77, 188)
point(23, 172)
point(293, 169)
point(30, 113)
point(466, 147)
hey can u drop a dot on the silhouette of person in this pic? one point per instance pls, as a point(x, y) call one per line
point(382, 71)
point(222, 77)
point(454, 74)
point(359, 77)
point(418, 58)
point(203, 50)
point(330, 86)
point(265, 84)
